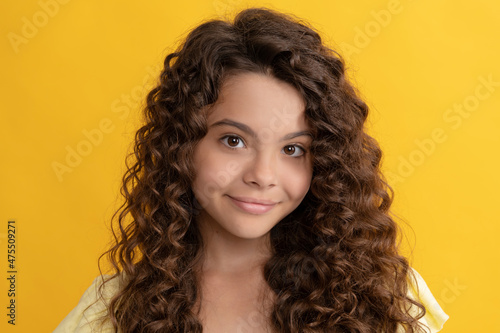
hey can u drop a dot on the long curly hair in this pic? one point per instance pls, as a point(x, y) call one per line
point(335, 264)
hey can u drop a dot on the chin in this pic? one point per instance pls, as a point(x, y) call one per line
point(249, 229)
point(251, 235)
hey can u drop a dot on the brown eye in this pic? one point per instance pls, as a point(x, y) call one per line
point(233, 141)
point(289, 150)
point(292, 151)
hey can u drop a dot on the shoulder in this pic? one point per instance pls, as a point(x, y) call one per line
point(90, 311)
point(418, 290)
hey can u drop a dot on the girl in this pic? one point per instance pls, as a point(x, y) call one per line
point(255, 199)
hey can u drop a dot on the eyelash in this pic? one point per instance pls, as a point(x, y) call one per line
point(304, 151)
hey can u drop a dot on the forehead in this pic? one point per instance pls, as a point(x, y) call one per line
point(261, 102)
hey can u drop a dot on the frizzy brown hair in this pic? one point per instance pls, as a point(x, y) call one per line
point(335, 265)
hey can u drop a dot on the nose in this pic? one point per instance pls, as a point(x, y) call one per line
point(262, 170)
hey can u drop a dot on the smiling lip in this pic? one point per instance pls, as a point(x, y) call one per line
point(253, 206)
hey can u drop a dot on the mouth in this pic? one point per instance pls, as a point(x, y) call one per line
point(252, 205)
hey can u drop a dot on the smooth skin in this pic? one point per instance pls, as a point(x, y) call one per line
point(256, 148)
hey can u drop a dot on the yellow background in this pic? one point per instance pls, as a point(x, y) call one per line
point(85, 66)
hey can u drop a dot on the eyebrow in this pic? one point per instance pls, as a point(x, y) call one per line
point(249, 131)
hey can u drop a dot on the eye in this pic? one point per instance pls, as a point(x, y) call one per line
point(231, 141)
point(291, 150)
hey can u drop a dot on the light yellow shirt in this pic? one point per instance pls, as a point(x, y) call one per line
point(80, 321)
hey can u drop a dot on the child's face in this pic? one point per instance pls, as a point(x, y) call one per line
point(232, 164)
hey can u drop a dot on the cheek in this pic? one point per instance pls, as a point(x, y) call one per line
point(303, 186)
point(214, 171)
point(297, 180)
